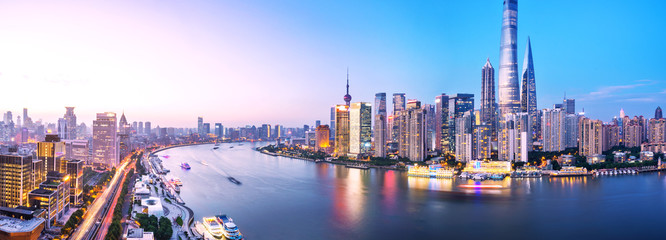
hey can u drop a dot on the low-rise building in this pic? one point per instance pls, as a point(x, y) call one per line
point(20, 229)
point(138, 234)
point(647, 156)
point(152, 206)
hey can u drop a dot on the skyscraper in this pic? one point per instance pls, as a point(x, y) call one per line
point(52, 152)
point(442, 122)
point(488, 103)
point(657, 113)
point(219, 130)
point(360, 127)
point(464, 137)
point(458, 105)
point(553, 130)
point(105, 140)
point(16, 179)
point(200, 126)
point(569, 106)
point(398, 102)
point(591, 137)
point(342, 130)
point(513, 139)
point(411, 131)
point(322, 138)
point(70, 118)
point(332, 126)
point(62, 128)
point(509, 99)
point(380, 125)
point(139, 130)
point(529, 99)
point(148, 129)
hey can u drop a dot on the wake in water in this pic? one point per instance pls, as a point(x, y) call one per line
point(223, 172)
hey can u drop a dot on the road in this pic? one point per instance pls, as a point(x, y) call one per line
point(101, 233)
point(97, 208)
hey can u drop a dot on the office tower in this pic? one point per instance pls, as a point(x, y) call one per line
point(411, 130)
point(62, 128)
point(322, 133)
point(124, 144)
point(570, 139)
point(657, 113)
point(332, 126)
point(16, 179)
point(38, 175)
point(306, 128)
point(105, 140)
point(77, 150)
point(200, 125)
point(278, 131)
point(380, 125)
point(529, 97)
point(75, 172)
point(26, 120)
point(139, 130)
point(569, 106)
point(482, 139)
point(206, 129)
point(509, 100)
point(591, 137)
point(219, 130)
point(266, 133)
point(342, 130)
point(398, 102)
point(553, 130)
point(442, 122)
point(135, 126)
point(317, 124)
point(360, 128)
point(59, 183)
point(51, 151)
point(464, 137)
point(430, 126)
point(488, 103)
point(633, 132)
point(148, 128)
point(513, 139)
point(657, 130)
point(458, 105)
point(70, 118)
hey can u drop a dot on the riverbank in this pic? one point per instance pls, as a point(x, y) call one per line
point(331, 161)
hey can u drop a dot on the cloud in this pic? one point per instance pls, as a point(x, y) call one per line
point(641, 99)
point(611, 91)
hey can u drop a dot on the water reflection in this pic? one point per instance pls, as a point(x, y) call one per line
point(349, 196)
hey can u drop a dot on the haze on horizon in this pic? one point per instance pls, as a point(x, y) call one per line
point(284, 62)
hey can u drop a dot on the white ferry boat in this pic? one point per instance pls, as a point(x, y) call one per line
point(230, 230)
point(176, 182)
point(569, 171)
point(357, 165)
point(213, 226)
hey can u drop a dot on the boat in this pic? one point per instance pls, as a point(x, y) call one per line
point(233, 180)
point(231, 147)
point(213, 226)
point(230, 230)
point(185, 166)
point(497, 176)
point(176, 182)
point(177, 189)
point(217, 144)
point(430, 171)
point(203, 162)
point(357, 165)
point(215, 148)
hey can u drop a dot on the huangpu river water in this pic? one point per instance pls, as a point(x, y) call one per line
point(283, 198)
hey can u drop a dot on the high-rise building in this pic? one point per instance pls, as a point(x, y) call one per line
point(52, 153)
point(219, 130)
point(569, 106)
point(317, 123)
point(105, 140)
point(570, 139)
point(465, 137)
point(458, 105)
point(528, 96)
point(442, 122)
point(206, 129)
point(380, 125)
point(148, 129)
point(513, 139)
point(482, 139)
point(342, 130)
point(25, 117)
point(16, 179)
point(657, 130)
point(633, 131)
point(360, 128)
point(657, 113)
point(399, 102)
point(77, 150)
point(139, 130)
point(611, 135)
point(70, 118)
point(322, 138)
point(488, 102)
point(75, 172)
point(124, 143)
point(332, 126)
point(200, 126)
point(62, 129)
point(509, 98)
point(591, 137)
point(553, 129)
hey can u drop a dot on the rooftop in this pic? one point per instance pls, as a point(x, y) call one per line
point(12, 225)
point(41, 191)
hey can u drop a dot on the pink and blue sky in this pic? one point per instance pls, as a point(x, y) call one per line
point(284, 62)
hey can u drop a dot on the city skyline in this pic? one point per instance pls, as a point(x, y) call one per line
point(417, 50)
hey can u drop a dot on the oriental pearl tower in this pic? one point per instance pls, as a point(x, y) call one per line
point(348, 97)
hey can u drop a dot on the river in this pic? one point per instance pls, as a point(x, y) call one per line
point(284, 198)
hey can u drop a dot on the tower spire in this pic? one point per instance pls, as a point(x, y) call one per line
point(348, 97)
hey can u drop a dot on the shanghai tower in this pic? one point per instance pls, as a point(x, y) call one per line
point(528, 94)
point(509, 98)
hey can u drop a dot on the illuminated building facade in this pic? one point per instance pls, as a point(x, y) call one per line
point(611, 136)
point(465, 137)
point(200, 125)
point(15, 179)
point(488, 102)
point(47, 200)
point(59, 183)
point(591, 137)
point(499, 167)
point(482, 139)
point(458, 105)
point(553, 129)
point(105, 140)
point(75, 172)
point(341, 130)
point(442, 122)
point(411, 131)
point(360, 128)
point(509, 98)
point(322, 139)
point(52, 153)
point(633, 131)
point(70, 119)
point(529, 98)
point(513, 139)
point(657, 130)
point(77, 150)
point(380, 131)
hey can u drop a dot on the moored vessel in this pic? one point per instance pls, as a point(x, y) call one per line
point(213, 226)
point(185, 166)
point(229, 228)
